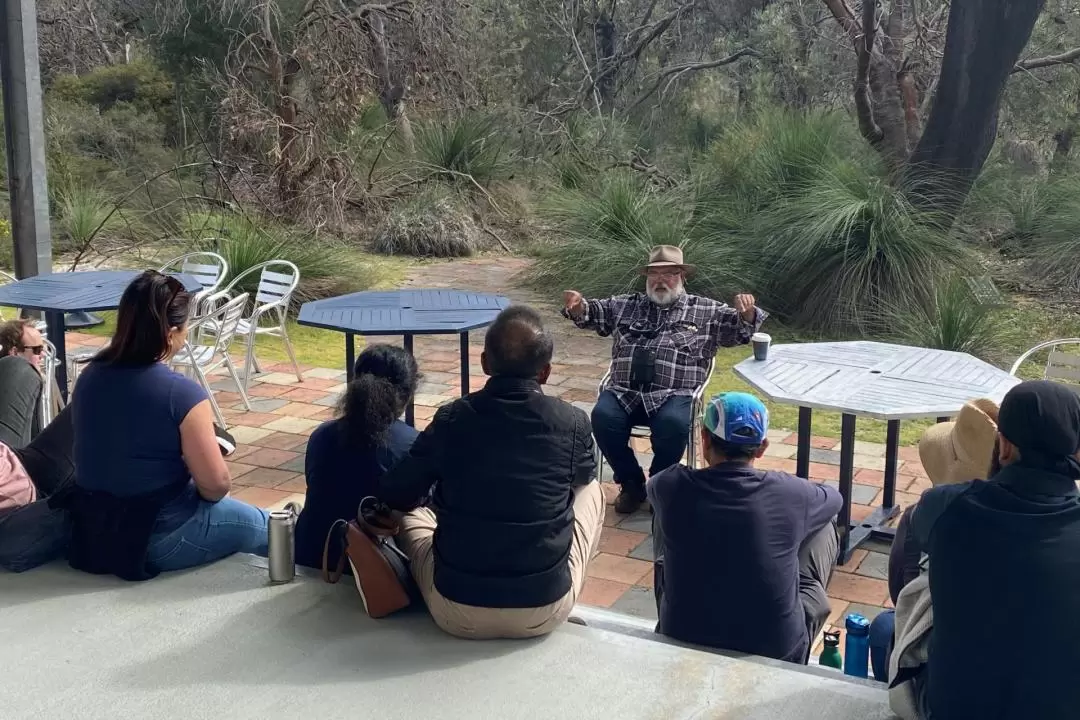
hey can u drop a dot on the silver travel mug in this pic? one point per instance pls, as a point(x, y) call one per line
point(281, 549)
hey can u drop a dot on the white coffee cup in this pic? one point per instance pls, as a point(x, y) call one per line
point(761, 342)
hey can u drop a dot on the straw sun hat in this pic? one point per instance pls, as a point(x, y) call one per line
point(961, 450)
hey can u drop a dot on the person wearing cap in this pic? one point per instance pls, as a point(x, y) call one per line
point(664, 340)
point(1005, 570)
point(743, 555)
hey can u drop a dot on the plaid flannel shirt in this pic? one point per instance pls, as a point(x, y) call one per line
point(684, 335)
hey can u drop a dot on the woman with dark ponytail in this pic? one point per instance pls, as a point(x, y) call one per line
point(347, 456)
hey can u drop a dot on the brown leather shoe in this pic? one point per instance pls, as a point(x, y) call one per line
point(628, 501)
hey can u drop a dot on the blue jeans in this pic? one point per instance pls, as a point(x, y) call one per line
point(669, 427)
point(216, 530)
point(881, 643)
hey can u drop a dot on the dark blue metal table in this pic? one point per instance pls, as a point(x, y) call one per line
point(57, 294)
point(407, 313)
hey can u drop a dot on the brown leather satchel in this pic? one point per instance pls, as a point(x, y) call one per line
point(379, 568)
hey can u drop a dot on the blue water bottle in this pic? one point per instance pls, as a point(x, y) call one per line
point(857, 646)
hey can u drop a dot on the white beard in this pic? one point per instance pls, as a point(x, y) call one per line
point(664, 298)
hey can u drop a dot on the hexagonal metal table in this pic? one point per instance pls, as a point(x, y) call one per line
point(876, 380)
point(57, 294)
point(407, 313)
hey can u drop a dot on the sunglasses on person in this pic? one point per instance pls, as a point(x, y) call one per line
point(36, 349)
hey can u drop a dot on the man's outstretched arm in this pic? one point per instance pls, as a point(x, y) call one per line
point(598, 315)
point(737, 323)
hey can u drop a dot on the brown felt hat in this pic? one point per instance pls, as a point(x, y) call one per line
point(961, 450)
point(667, 256)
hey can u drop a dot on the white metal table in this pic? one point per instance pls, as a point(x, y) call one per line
point(876, 380)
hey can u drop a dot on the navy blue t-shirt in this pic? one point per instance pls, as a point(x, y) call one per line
point(127, 434)
point(339, 474)
point(731, 536)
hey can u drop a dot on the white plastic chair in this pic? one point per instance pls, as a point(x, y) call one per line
point(278, 280)
point(209, 268)
point(642, 431)
point(204, 359)
point(1063, 367)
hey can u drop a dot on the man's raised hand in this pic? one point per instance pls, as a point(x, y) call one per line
point(575, 303)
point(746, 306)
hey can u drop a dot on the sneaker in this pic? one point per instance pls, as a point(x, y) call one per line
point(628, 501)
point(225, 441)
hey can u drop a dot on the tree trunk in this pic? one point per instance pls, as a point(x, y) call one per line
point(982, 44)
point(391, 94)
point(604, 33)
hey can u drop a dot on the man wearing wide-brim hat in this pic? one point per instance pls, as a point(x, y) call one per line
point(664, 340)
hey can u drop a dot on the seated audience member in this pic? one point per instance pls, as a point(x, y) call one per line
point(515, 512)
point(31, 533)
point(744, 555)
point(1003, 549)
point(150, 481)
point(951, 452)
point(346, 457)
point(20, 338)
point(664, 340)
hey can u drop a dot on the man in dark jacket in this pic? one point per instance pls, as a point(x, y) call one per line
point(1005, 570)
point(515, 514)
point(743, 555)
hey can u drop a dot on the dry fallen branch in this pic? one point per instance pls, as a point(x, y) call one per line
point(1065, 58)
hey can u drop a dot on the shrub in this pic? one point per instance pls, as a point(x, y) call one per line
point(472, 145)
point(427, 226)
point(955, 320)
point(326, 266)
point(1053, 231)
point(832, 244)
point(139, 84)
point(82, 215)
point(606, 233)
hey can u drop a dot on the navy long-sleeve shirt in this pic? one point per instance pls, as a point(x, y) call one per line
point(339, 475)
point(730, 537)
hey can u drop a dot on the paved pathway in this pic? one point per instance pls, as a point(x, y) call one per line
point(268, 466)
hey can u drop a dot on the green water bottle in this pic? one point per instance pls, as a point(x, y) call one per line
point(830, 656)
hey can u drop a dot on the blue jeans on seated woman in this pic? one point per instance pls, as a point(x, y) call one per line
point(216, 530)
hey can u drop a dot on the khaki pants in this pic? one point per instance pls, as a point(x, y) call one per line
point(478, 623)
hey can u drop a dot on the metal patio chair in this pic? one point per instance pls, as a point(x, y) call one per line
point(642, 431)
point(1061, 366)
point(204, 359)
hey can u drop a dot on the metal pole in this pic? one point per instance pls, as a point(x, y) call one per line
point(20, 76)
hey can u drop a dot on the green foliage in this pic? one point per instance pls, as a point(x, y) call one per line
point(955, 320)
point(606, 233)
point(83, 214)
point(326, 266)
point(782, 207)
point(471, 145)
point(1054, 235)
point(430, 224)
point(140, 84)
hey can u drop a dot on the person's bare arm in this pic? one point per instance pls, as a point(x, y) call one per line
point(202, 453)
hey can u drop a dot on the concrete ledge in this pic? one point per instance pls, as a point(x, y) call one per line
point(219, 642)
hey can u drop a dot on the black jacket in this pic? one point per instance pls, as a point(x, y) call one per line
point(500, 465)
point(109, 534)
point(1005, 580)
